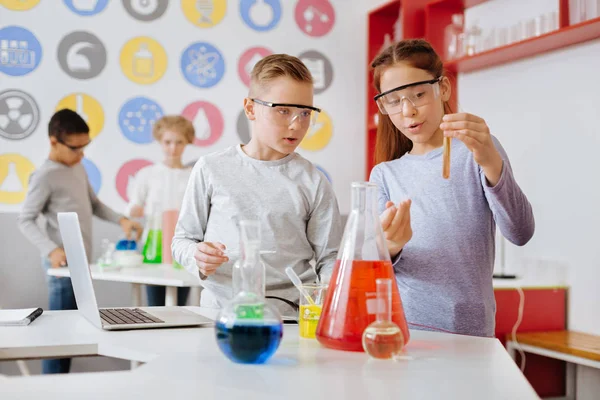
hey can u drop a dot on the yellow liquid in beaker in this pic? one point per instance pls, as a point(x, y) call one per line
point(308, 320)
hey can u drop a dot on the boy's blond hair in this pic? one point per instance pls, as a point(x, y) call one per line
point(174, 123)
point(276, 66)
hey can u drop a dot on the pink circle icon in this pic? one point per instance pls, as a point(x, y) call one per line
point(248, 60)
point(207, 120)
point(315, 17)
point(126, 180)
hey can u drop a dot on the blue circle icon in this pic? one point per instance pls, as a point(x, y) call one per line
point(202, 65)
point(20, 51)
point(93, 173)
point(137, 117)
point(261, 15)
point(324, 173)
point(86, 7)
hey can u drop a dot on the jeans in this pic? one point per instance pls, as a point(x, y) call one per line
point(60, 297)
point(156, 295)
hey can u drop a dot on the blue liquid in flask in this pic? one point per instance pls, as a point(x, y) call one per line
point(251, 342)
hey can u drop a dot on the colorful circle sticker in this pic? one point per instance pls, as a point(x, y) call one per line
point(137, 117)
point(261, 15)
point(14, 178)
point(19, 5)
point(145, 10)
point(143, 60)
point(93, 173)
point(19, 114)
point(125, 180)
point(20, 51)
point(248, 60)
point(243, 127)
point(81, 55)
point(207, 120)
point(319, 135)
point(86, 7)
point(202, 65)
point(88, 108)
point(315, 17)
point(204, 13)
point(324, 173)
point(320, 68)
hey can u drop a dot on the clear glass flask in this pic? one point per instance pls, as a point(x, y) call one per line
point(351, 303)
point(248, 329)
point(249, 230)
point(383, 339)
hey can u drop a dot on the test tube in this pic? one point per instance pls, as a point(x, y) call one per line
point(446, 158)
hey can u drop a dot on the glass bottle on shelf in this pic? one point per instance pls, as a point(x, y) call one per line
point(472, 38)
point(454, 37)
point(387, 41)
point(398, 36)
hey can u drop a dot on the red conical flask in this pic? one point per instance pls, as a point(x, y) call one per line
point(351, 301)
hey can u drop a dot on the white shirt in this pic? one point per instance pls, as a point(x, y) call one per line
point(293, 201)
point(158, 185)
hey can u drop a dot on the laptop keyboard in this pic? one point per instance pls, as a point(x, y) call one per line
point(127, 316)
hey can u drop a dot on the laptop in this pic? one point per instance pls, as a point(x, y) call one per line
point(113, 318)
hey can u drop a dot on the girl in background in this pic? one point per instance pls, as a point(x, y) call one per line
point(173, 133)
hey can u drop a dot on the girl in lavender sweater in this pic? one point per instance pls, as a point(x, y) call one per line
point(444, 269)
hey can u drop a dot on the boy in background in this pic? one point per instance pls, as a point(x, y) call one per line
point(61, 185)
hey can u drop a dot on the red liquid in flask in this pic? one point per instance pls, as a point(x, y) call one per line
point(351, 304)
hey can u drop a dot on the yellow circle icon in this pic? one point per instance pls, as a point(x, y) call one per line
point(19, 5)
point(204, 13)
point(143, 60)
point(319, 135)
point(14, 178)
point(88, 108)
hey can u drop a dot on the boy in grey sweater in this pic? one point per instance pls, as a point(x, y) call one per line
point(267, 181)
point(61, 185)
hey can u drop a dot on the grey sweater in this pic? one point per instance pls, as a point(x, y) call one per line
point(55, 188)
point(445, 272)
point(293, 201)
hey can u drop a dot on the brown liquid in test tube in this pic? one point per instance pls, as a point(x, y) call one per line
point(446, 162)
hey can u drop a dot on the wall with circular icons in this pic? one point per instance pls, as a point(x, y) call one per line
point(202, 65)
point(207, 120)
point(137, 117)
point(124, 64)
point(262, 15)
point(86, 7)
point(87, 107)
point(319, 134)
point(15, 170)
point(20, 51)
point(93, 173)
point(125, 179)
point(143, 60)
point(81, 55)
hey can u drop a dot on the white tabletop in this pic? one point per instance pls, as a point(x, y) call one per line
point(147, 274)
point(166, 275)
point(186, 363)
